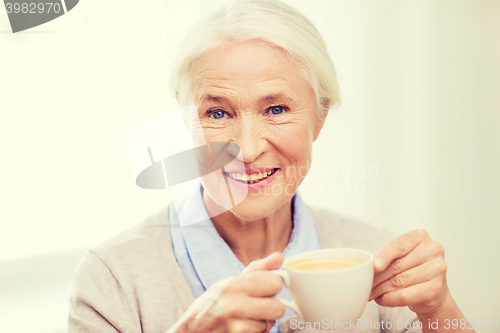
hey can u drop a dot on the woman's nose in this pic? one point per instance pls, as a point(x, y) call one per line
point(251, 140)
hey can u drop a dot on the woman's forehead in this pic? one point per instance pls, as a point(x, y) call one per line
point(244, 56)
point(260, 70)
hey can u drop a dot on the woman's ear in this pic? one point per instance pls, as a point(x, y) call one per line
point(320, 119)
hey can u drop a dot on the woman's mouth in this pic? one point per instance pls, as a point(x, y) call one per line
point(251, 178)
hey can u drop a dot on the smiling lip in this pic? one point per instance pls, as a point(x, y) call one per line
point(250, 171)
point(252, 178)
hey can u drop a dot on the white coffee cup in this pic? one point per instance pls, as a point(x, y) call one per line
point(335, 295)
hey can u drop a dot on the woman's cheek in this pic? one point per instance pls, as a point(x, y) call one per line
point(293, 141)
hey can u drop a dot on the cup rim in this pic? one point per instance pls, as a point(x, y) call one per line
point(332, 270)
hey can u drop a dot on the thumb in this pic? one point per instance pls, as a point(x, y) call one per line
point(272, 261)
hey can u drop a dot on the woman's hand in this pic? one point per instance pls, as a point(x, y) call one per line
point(410, 271)
point(237, 304)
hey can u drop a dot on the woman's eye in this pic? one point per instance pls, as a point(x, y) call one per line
point(218, 114)
point(277, 109)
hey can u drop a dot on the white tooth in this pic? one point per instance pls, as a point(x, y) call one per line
point(246, 177)
point(260, 175)
point(237, 176)
point(232, 175)
point(269, 172)
point(253, 176)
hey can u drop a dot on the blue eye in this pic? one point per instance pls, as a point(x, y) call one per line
point(218, 114)
point(277, 109)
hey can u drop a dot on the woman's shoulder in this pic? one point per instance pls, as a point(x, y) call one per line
point(139, 254)
point(337, 230)
point(153, 232)
point(117, 278)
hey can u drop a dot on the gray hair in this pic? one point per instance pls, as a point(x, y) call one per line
point(273, 22)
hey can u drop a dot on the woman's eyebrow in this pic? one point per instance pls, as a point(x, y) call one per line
point(278, 96)
point(267, 98)
point(213, 98)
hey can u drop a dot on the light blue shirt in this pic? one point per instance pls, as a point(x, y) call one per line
point(205, 258)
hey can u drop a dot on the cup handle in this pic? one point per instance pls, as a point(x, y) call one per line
point(286, 280)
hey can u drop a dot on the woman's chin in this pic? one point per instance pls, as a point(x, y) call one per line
point(250, 210)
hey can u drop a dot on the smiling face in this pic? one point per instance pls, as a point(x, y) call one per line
point(251, 94)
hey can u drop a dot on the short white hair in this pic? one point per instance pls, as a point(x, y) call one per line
point(272, 22)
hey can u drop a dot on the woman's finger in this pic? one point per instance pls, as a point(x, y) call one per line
point(257, 308)
point(269, 324)
point(260, 284)
point(272, 261)
point(413, 276)
point(427, 292)
point(246, 325)
point(420, 254)
point(398, 247)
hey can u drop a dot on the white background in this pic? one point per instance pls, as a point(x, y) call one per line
point(420, 102)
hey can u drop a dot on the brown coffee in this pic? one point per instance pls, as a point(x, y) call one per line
point(324, 263)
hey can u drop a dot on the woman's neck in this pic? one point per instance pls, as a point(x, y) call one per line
point(256, 239)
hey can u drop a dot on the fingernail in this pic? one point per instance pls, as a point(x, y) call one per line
point(379, 262)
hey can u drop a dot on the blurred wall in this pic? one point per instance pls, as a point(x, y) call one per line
point(420, 110)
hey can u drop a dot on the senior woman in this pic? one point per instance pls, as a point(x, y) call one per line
point(259, 77)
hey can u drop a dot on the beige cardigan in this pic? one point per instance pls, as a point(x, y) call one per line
point(132, 283)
